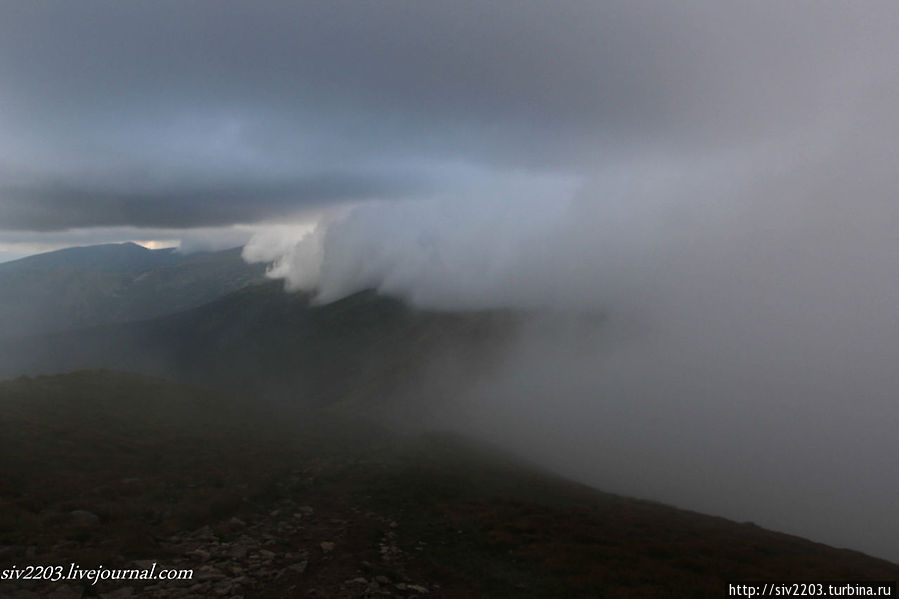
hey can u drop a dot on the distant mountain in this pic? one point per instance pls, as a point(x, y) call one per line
point(265, 501)
point(262, 341)
point(108, 257)
point(114, 283)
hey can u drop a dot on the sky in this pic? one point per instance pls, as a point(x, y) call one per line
point(150, 120)
point(716, 178)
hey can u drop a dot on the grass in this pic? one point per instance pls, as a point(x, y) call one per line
point(151, 458)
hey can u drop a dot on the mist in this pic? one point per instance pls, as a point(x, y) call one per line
point(744, 360)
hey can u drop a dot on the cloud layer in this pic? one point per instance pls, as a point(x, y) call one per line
point(218, 113)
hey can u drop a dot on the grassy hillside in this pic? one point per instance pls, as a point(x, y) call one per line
point(81, 287)
point(104, 467)
point(261, 341)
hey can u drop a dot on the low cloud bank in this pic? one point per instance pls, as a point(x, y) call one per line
point(746, 361)
point(746, 273)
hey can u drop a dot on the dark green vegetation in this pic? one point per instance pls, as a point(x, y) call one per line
point(181, 475)
point(262, 341)
point(81, 287)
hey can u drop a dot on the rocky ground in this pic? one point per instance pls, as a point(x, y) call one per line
point(291, 549)
point(264, 505)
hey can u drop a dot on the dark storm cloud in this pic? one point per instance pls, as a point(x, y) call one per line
point(95, 91)
point(55, 208)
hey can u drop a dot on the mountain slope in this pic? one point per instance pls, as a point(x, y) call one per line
point(107, 257)
point(86, 286)
point(262, 341)
point(264, 501)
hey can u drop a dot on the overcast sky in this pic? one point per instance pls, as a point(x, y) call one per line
point(718, 178)
point(169, 117)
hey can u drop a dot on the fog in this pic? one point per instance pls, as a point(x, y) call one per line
point(745, 361)
point(745, 364)
point(694, 202)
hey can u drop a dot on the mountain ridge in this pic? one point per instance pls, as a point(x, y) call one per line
point(105, 257)
point(113, 283)
point(263, 341)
